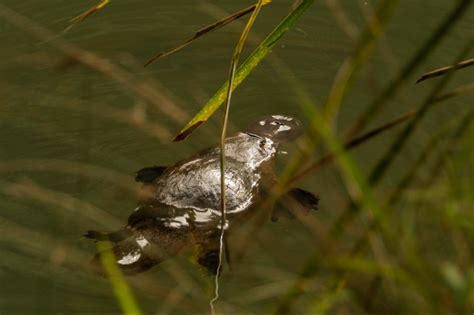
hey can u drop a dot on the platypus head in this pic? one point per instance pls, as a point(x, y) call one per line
point(278, 128)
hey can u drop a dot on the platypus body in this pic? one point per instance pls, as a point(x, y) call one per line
point(183, 201)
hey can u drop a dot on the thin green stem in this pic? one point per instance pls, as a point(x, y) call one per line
point(233, 67)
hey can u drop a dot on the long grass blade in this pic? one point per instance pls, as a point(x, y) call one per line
point(233, 66)
point(204, 31)
point(245, 69)
point(444, 70)
point(81, 17)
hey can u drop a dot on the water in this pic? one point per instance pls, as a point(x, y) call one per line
point(57, 123)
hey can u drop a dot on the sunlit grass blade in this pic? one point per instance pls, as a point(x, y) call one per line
point(233, 66)
point(204, 31)
point(122, 291)
point(81, 17)
point(425, 50)
point(444, 70)
point(244, 70)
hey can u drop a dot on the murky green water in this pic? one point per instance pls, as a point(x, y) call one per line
point(69, 149)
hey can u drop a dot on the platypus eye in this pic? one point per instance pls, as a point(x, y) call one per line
point(253, 135)
point(278, 128)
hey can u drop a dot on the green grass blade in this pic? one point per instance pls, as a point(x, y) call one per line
point(122, 291)
point(247, 66)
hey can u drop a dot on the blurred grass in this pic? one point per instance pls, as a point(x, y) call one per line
point(401, 140)
point(407, 248)
point(424, 51)
point(121, 289)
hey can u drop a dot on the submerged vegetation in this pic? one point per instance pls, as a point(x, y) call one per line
point(394, 233)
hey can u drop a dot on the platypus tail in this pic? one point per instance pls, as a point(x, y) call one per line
point(129, 256)
point(138, 250)
point(114, 237)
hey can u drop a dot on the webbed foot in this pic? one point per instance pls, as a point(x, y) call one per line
point(148, 174)
point(210, 261)
point(296, 199)
point(305, 198)
point(114, 237)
